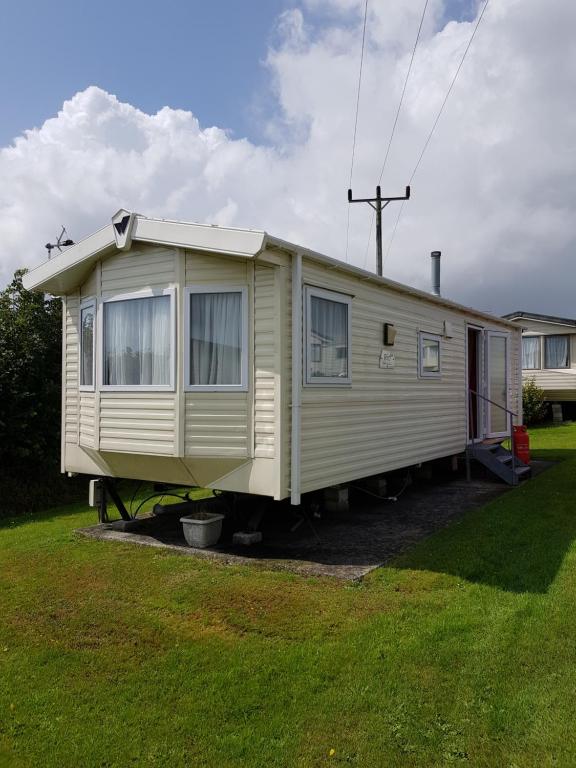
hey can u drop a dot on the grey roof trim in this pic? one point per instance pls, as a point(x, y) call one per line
point(541, 318)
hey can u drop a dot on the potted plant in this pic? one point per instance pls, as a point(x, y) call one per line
point(202, 529)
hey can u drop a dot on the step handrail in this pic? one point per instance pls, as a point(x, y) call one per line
point(511, 414)
point(473, 392)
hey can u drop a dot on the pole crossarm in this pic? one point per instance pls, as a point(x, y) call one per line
point(378, 203)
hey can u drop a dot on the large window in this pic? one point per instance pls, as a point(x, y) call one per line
point(217, 338)
point(87, 338)
point(138, 341)
point(531, 353)
point(328, 332)
point(429, 359)
point(556, 351)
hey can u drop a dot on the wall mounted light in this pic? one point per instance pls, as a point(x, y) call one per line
point(389, 334)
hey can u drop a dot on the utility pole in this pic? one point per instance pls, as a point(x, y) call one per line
point(378, 203)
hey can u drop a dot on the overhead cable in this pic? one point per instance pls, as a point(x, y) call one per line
point(435, 123)
point(356, 119)
point(393, 131)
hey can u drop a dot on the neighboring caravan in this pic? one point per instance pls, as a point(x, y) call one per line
point(230, 359)
point(549, 355)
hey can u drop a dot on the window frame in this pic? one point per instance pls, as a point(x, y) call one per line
point(540, 350)
point(147, 293)
point(545, 367)
point(426, 336)
point(245, 347)
point(310, 292)
point(85, 304)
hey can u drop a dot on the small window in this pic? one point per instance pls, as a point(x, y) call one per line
point(138, 342)
point(87, 339)
point(430, 355)
point(328, 332)
point(556, 351)
point(531, 353)
point(217, 338)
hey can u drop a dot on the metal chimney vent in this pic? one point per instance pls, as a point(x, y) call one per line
point(435, 257)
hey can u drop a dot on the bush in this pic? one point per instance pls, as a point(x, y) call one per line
point(30, 391)
point(533, 402)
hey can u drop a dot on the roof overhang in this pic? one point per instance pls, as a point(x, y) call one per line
point(66, 271)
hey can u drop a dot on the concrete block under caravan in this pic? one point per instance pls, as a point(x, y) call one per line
point(336, 498)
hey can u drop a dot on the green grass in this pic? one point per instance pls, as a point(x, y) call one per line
point(462, 652)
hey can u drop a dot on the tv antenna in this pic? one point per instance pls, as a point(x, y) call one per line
point(378, 203)
point(60, 242)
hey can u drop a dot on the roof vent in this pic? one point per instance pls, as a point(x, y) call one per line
point(123, 223)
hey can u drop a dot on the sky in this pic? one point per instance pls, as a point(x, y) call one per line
point(242, 114)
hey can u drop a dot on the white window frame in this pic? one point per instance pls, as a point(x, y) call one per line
point(310, 292)
point(86, 304)
point(142, 294)
point(540, 351)
point(189, 290)
point(545, 367)
point(425, 336)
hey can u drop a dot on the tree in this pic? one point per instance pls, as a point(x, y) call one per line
point(534, 405)
point(30, 379)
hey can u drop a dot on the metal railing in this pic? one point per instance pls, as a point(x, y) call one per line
point(510, 415)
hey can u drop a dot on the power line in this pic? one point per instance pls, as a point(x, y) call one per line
point(431, 133)
point(356, 120)
point(393, 131)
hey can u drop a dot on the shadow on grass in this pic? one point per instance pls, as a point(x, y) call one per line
point(517, 542)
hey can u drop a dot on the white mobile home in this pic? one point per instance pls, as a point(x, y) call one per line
point(549, 354)
point(233, 360)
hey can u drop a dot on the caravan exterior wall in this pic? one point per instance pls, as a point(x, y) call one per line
point(376, 414)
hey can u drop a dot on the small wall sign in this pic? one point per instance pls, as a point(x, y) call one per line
point(387, 359)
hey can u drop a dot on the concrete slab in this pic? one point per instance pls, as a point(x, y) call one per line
point(343, 544)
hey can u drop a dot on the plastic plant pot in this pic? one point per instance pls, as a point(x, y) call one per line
point(202, 529)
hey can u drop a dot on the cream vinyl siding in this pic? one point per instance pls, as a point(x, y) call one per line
point(87, 419)
point(71, 397)
point(138, 422)
point(266, 361)
point(386, 418)
point(558, 384)
point(216, 424)
point(141, 267)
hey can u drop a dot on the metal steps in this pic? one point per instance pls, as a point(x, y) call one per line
point(499, 461)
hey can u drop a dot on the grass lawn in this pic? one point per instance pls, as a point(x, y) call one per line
point(463, 651)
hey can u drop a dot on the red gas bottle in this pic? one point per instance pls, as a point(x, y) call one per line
point(522, 443)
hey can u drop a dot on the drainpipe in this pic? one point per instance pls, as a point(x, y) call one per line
point(296, 377)
point(435, 256)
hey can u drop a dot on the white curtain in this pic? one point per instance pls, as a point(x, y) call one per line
point(137, 341)
point(329, 330)
point(430, 356)
point(216, 338)
point(556, 352)
point(87, 344)
point(531, 352)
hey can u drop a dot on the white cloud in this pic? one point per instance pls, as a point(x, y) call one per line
point(495, 190)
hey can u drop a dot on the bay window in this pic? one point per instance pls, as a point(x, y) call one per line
point(87, 340)
point(138, 345)
point(216, 338)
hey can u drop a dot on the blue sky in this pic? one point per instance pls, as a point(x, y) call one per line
point(201, 56)
point(205, 57)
